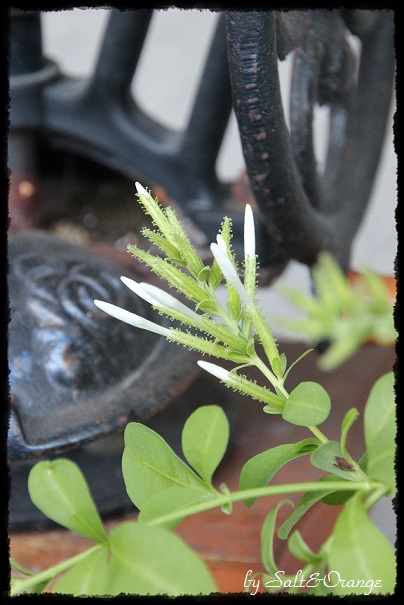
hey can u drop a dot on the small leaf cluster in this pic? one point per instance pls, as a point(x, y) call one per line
point(356, 554)
point(136, 557)
point(146, 557)
point(231, 331)
point(343, 314)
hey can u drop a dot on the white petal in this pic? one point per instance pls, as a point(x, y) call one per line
point(140, 189)
point(165, 299)
point(221, 243)
point(215, 370)
point(249, 232)
point(159, 298)
point(230, 273)
point(137, 289)
point(131, 318)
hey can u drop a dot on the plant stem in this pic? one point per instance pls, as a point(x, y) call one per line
point(50, 573)
point(257, 361)
point(376, 496)
point(259, 492)
point(277, 383)
point(317, 433)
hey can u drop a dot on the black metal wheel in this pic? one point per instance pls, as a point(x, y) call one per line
point(306, 211)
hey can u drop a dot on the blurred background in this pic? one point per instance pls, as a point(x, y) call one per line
point(164, 86)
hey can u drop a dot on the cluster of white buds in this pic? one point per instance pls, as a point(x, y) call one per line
point(241, 325)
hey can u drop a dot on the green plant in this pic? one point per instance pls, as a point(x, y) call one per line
point(346, 315)
point(146, 556)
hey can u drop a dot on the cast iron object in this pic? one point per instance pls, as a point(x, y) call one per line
point(305, 211)
point(101, 461)
point(77, 374)
point(98, 118)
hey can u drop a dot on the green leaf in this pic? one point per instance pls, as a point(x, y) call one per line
point(209, 306)
point(59, 489)
point(306, 446)
point(347, 336)
point(337, 498)
point(277, 367)
point(378, 407)
point(267, 538)
point(347, 422)
point(226, 508)
point(305, 503)
point(204, 274)
point(149, 465)
point(297, 361)
point(86, 578)
point(308, 405)
point(259, 470)
point(150, 560)
point(169, 500)
point(32, 589)
point(301, 550)
point(205, 437)
point(16, 565)
point(380, 431)
point(359, 551)
point(272, 409)
point(328, 457)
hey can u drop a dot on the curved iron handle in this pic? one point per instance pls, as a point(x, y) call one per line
point(301, 212)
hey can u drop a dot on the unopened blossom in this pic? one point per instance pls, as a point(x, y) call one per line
point(132, 319)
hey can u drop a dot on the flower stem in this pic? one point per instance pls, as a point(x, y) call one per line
point(317, 433)
point(259, 492)
point(268, 374)
point(50, 573)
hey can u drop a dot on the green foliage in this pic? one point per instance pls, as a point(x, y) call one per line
point(380, 431)
point(60, 491)
point(149, 465)
point(345, 315)
point(204, 440)
point(307, 405)
point(88, 577)
point(328, 457)
point(267, 538)
point(359, 551)
point(259, 470)
point(151, 560)
point(145, 556)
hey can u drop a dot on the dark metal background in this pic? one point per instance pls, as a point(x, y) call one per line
point(301, 210)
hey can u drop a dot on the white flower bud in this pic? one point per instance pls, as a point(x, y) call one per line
point(249, 233)
point(132, 319)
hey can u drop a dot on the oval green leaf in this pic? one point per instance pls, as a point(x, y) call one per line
point(328, 457)
point(59, 489)
point(267, 538)
point(307, 405)
point(259, 470)
point(306, 502)
point(86, 578)
point(204, 439)
point(169, 500)
point(380, 431)
point(360, 554)
point(149, 465)
point(301, 550)
point(151, 560)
